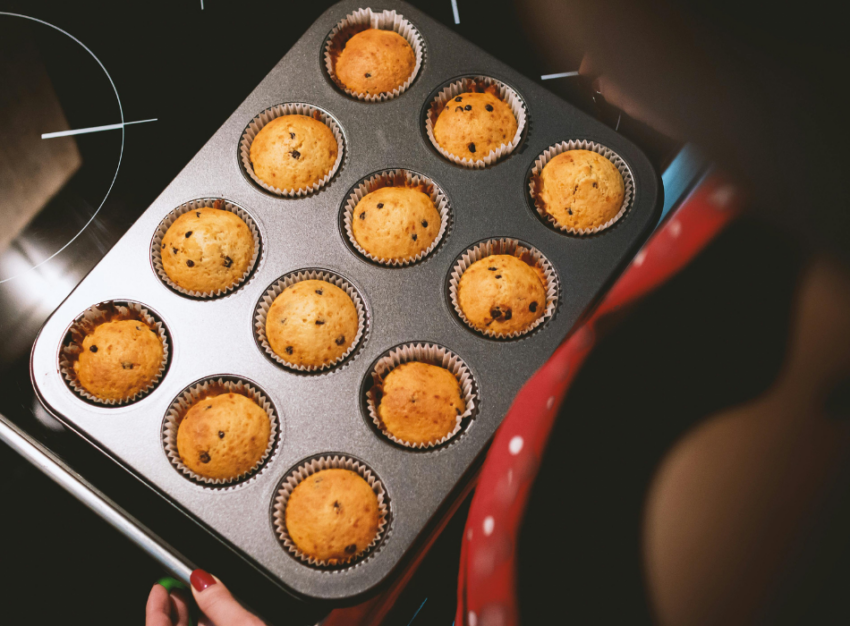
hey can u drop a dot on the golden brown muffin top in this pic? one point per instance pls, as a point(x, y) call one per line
point(395, 223)
point(420, 403)
point(333, 515)
point(502, 294)
point(580, 189)
point(293, 152)
point(223, 436)
point(471, 125)
point(207, 250)
point(311, 323)
point(375, 61)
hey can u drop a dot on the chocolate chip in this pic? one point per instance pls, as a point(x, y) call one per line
point(188, 234)
point(424, 224)
point(457, 411)
point(208, 407)
point(380, 205)
point(295, 154)
point(228, 261)
point(163, 246)
point(413, 236)
point(489, 107)
point(413, 401)
point(92, 348)
point(472, 147)
point(351, 549)
point(320, 322)
point(319, 292)
point(283, 321)
point(367, 75)
point(459, 109)
point(340, 340)
point(138, 328)
point(288, 349)
point(221, 434)
point(190, 263)
point(337, 506)
point(532, 307)
point(570, 210)
point(594, 185)
point(495, 313)
point(575, 189)
point(292, 135)
point(174, 250)
point(458, 99)
point(498, 275)
point(363, 215)
point(508, 315)
point(205, 457)
point(127, 366)
point(468, 107)
point(492, 269)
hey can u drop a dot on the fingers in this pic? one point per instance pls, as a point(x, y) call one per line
point(217, 604)
point(180, 607)
point(158, 608)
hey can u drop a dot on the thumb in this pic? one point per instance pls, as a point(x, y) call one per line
point(216, 602)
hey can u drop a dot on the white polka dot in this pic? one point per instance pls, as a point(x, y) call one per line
point(675, 228)
point(489, 523)
point(472, 619)
point(469, 535)
point(640, 257)
point(550, 402)
point(722, 196)
point(515, 445)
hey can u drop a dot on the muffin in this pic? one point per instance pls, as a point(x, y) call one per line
point(207, 250)
point(502, 294)
point(293, 152)
point(580, 189)
point(223, 436)
point(420, 403)
point(395, 223)
point(333, 515)
point(375, 61)
point(311, 323)
point(119, 359)
point(473, 124)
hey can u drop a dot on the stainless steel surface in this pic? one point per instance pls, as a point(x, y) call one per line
point(324, 413)
point(74, 484)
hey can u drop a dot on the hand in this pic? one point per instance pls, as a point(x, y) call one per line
point(218, 606)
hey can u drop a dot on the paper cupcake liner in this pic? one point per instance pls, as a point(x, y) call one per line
point(363, 19)
point(396, 178)
point(462, 86)
point(257, 124)
point(85, 324)
point(514, 248)
point(308, 468)
point(197, 392)
point(575, 144)
point(431, 354)
point(277, 287)
point(165, 224)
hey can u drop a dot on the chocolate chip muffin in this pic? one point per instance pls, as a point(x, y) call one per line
point(420, 403)
point(580, 189)
point(119, 359)
point(311, 323)
point(333, 516)
point(293, 152)
point(473, 124)
point(207, 250)
point(502, 294)
point(375, 61)
point(395, 223)
point(223, 436)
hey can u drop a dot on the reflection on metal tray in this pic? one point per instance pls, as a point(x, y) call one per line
point(323, 413)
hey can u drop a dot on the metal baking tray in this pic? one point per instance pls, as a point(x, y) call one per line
point(325, 413)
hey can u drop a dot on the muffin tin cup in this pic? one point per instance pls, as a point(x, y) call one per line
point(460, 87)
point(307, 469)
point(263, 118)
point(515, 248)
point(580, 144)
point(85, 324)
point(361, 20)
point(276, 288)
point(165, 224)
point(431, 354)
point(391, 178)
point(197, 392)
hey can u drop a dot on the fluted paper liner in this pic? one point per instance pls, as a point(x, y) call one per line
point(85, 324)
point(256, 125)
point(308, 468)
point(201, 203)
point(514, 248)
point(553, 151)
point(194, 394)
point(396, 178)
point(432, 354)
point(363, 19)
point(287, 280)
point(460, 87)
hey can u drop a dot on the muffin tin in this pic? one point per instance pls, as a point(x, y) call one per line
point(324, 414)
